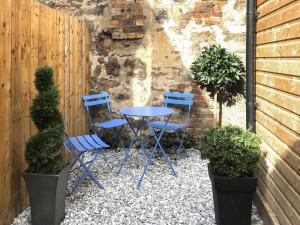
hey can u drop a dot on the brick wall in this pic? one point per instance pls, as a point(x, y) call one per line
point(127, 20)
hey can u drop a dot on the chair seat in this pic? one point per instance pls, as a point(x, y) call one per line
point(112, 123)
point(168, 126)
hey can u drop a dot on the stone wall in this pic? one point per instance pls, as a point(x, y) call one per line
point(142, 48)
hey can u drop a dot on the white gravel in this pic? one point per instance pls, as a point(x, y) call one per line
point(162, 199)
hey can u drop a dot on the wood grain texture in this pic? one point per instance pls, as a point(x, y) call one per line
point(284, 49)
point(280, 98)
point(290, 159)
point(289, 84)
point(33, 35)
point(286, 31)
point(278, 112)
point(288, 13)
point(272, 6)
point(5, 112)
point(289, 66)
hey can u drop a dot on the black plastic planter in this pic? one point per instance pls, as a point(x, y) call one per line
point(47, 194)
point(233, 199)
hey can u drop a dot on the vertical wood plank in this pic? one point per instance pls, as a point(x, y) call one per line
point(61, 60)
point(16, 107)
point(75, 77)
point(72, 119)
point(85, 68)
point(35, 14)
point(80, 78)
point(43, 37)
point(25, 42)
point(67, 74)
point(5, 111)
point(50, 37)
point(56, 46)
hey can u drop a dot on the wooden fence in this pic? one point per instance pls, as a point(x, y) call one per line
point(33, 35)
point(278, 113)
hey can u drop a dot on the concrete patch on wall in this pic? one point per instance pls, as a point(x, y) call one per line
point(142, 48)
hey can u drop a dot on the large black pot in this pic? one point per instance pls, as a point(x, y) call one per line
point(232, 199)
point(47, 194)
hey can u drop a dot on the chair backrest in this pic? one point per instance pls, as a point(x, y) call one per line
point(180, 99)
point(101, 99)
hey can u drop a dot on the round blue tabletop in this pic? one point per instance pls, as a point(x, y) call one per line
point(146, 111)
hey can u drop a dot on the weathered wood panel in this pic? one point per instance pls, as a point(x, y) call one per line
point(286, 66)
point(278, 111)
point(32, 35)
point(290, 48)
point(284, 32)
point(286, 14)
point(5, 111)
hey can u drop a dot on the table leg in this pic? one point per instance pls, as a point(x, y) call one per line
point(136, 138)
point(150, 158)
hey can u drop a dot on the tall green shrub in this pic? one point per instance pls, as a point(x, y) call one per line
point(222, 73)
point(42, 150)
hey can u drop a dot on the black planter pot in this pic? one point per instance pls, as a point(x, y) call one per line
point(47, 194)
point(232, 199)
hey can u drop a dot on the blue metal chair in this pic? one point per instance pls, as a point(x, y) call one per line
point(79, 146)
point(184, 100)
point(102, 99)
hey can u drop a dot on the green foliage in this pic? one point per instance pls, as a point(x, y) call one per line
point(44, 78)
point(44, 110)
point(42, 150)
point(221, 73)
point(232, 151)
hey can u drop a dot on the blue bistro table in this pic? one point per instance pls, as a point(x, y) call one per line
point(145, 113)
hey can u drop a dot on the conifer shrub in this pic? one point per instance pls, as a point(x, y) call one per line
point(42, 150)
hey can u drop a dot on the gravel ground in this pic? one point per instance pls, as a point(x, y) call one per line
point(162, 199)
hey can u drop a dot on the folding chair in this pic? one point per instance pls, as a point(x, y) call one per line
point(179, 99)
point(102, 99)
point(79, 146)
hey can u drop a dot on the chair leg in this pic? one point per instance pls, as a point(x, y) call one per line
point(87, 171)
point(181, 147)
point(167, 160)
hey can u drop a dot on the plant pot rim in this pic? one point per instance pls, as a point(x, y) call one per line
point(50, 175)
point(226, 177)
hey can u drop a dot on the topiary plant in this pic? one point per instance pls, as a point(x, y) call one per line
point(222, 73)
point(42, 151)
point(232, 151)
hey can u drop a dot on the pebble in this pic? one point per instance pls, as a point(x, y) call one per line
point(162, 198)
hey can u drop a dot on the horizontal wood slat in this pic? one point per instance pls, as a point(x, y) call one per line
point(283, 133)
point(284, 32)
point(278, 112)
point(284, 66)
point(264, 189)
point(271, 6)
point(285, 100)
point(286, 14)
point(271, 177)
point(286, 153)
point(33, 35)
point(291, 179)
point(260, 2)
point(282, 49)
point(280, 82)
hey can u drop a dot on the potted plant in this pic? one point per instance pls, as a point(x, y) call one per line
point(233, 155)
point(47, 173)
point(222, 73)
